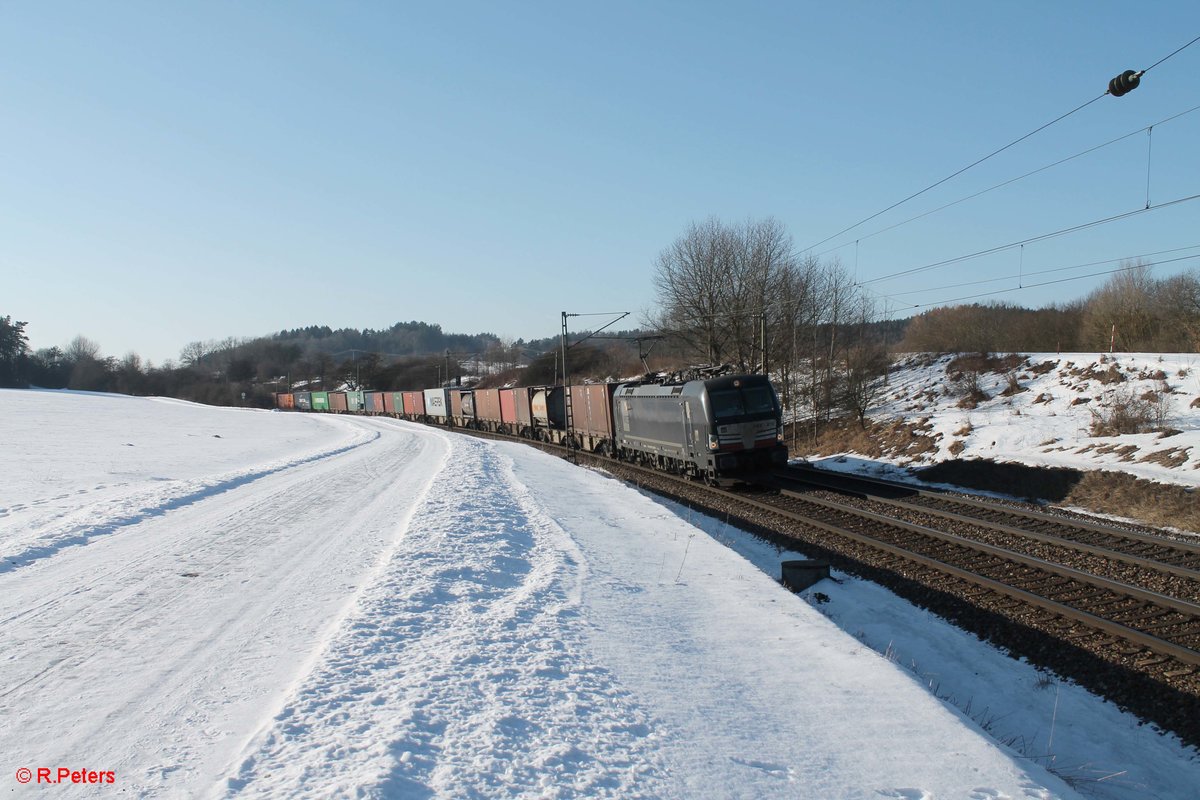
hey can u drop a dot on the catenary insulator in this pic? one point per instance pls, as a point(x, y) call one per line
point(1124, 83)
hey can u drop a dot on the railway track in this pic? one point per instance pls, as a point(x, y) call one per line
point(1062, 577)
point(1115, 609)
point(1090, 566)
point(1161, 546)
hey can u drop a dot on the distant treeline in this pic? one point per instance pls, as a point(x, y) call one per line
point(828, 352)
point(402, 339)
point(408, 355)
point(1132, 312)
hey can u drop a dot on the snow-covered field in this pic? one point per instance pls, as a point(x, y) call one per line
point(214, 602)
point(1048, 422)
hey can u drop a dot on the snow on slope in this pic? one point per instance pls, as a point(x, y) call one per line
point(380, 609)
point(1048, 424)
point(88, 465)
point(153, 650)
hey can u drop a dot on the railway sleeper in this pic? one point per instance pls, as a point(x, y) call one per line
point(1048, 588)
point(1165, 625)
point(1084, 634)
point(1109, 642)
point(1136, 617)
point(1153, 660)
point(1061, 623)
point(1080, 594)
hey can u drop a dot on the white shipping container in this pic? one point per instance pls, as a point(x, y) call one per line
point(437, 403)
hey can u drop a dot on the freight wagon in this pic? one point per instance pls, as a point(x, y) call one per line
point(719, 429)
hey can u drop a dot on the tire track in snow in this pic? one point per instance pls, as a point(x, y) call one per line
point(24, 542)
point(465, 670)
point(197, 660)
point(120, 585)
point(106, 573)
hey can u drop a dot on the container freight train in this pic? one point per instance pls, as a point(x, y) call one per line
point(721, 429)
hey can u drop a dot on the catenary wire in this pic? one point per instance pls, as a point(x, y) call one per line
point(1001, 185)
point(1050, 283)
point(955, 174)
point(1040, 238)
point(990, 155)
point(1049, 271)
point(1164, 58)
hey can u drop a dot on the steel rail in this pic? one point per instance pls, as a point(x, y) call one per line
point(1095, 550)
point(1173, 603)
point(829, 481)
point(1150, 642)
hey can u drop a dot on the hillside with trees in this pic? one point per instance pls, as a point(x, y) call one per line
point(1133, 312)
point(735, 294)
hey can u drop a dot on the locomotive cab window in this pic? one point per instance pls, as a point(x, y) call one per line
point(742, 402)
point(758, 400)
point(727, 403)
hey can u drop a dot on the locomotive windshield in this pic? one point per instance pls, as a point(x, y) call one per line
point(759, 399)
point(741, 402)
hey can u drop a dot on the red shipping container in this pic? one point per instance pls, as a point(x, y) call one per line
point(522, 408)
point(591, 409)
point(284, 400)
point(414, 403)
point(337, 401)
point(508, 407)
point(487, 406)
point(455, 403)
point(389, 403)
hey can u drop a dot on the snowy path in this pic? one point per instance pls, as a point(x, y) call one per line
point(154, 653)
point(465, 674)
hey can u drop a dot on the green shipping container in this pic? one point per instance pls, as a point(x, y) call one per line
point(355, 401)
point(320, 401)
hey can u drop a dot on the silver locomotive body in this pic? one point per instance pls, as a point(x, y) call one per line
point(720, 429)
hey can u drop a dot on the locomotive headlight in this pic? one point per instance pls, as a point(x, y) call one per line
point(712, 442)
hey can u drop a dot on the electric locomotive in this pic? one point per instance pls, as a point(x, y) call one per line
point(721, 429)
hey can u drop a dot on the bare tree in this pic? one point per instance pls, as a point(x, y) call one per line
point(82, 348)
point(839, 301)
point(193, 353)
point(715, 283)
point(865, 364)
point(88, 371)
point(1121, 312)
point(1179, 299)
point(690, 280)
point(864, 359)
point(797, 310)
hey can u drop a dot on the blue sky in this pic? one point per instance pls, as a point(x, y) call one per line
point(180, 171)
